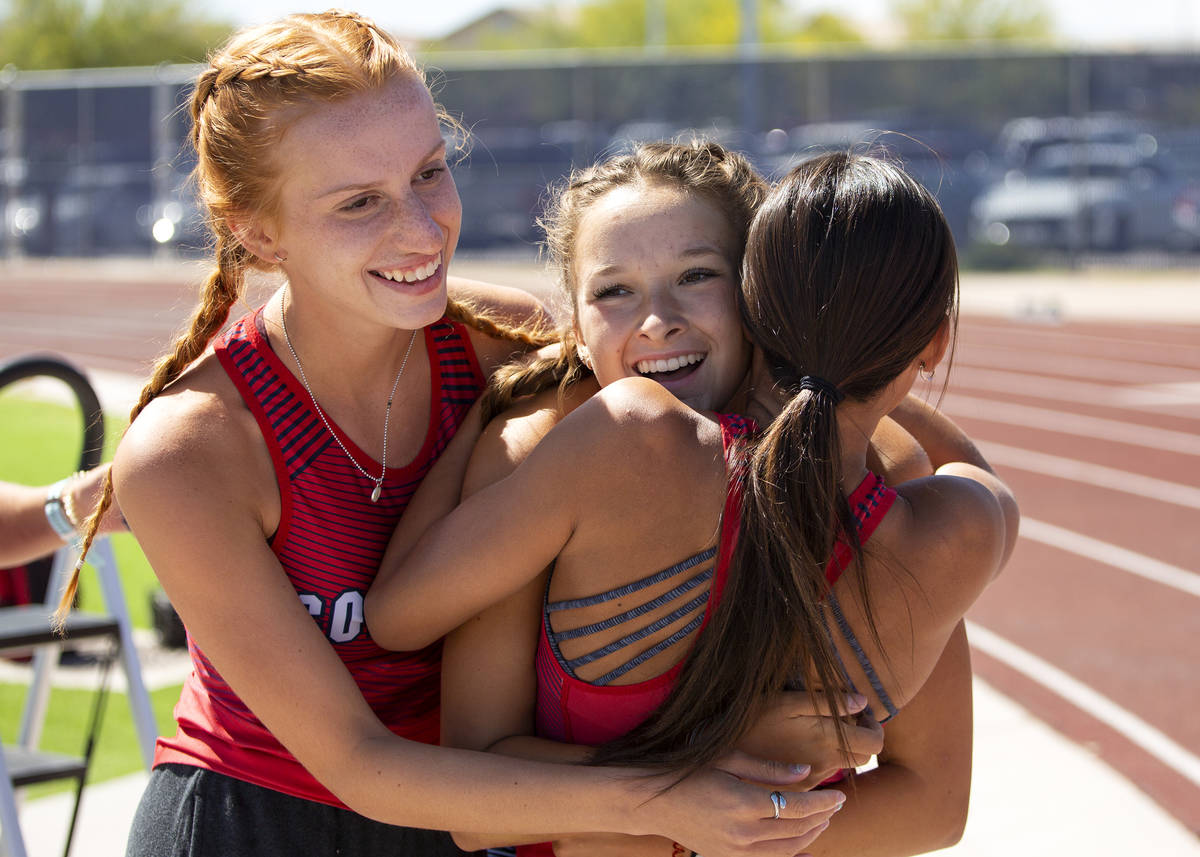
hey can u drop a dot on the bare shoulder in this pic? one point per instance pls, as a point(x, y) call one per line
point(515, 306)
point(953, 528)
point(639, 421)
point(195, 438)
point(509, 438)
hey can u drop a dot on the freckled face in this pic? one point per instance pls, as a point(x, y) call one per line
point(656, 287)
point(368, 214)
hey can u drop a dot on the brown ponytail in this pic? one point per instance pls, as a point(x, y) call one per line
point(850, 270)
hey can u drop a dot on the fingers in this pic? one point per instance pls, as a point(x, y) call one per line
point(797, 844)
point(801, 821)
point(801, 703)
point(864, 739)
point(807, 809)
point(766, 771)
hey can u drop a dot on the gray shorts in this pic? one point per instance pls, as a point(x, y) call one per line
point(191, 812)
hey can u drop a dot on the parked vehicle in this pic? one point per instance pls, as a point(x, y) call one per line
point(1105, 196)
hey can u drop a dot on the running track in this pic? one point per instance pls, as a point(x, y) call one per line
point(1093, 627)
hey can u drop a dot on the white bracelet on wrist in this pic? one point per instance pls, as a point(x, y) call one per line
point(56, 511)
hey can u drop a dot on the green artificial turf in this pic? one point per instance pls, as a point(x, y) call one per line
point(65, 728)
point(39, 444)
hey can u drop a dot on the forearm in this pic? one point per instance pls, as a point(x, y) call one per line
point(25, 534)
point(534, 749)
point(943, 441)
point(916, 799)
point(25, 531)
point(590, 844)
point(511, 798)
point(893, 811)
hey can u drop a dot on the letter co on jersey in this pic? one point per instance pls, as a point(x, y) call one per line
point(341, 618)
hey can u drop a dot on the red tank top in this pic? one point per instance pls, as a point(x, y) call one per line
point(330, 541)
point(574, 711)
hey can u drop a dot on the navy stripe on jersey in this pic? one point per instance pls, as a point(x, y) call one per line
point(330, 541)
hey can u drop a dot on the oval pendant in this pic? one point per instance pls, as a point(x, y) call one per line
point(378, 490)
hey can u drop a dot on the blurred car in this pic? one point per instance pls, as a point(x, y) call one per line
point(1021, 139)
point(1104, 196)
point(942, 158)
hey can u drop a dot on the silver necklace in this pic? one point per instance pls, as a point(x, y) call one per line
point(387, 414)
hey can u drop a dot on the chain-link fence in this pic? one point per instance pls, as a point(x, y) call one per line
point(1035, 157)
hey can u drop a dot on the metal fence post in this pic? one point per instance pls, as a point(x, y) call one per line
point(1078, 104)
point(162, 146)
point(12, 166)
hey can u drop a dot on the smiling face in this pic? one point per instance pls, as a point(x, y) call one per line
point(367, 215)
point(656, 292)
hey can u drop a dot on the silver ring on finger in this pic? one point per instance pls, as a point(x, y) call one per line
point(778, 801)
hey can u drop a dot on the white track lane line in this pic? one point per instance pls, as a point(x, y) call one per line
point(1099, 369)
point(994, 411)
point(1088, 393)
point(1091, 474)
point(1111, 555)
point(1076, 344)
point(1175, 756)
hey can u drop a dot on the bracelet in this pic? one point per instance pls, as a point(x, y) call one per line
point(57, 513)
point(68, 503)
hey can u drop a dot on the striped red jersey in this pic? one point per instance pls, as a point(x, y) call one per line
point(330, 541)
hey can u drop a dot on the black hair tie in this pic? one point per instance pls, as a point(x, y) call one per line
point(820, 385)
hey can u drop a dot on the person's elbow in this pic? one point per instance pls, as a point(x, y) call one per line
point(1012, 523)
point(952, 822)
point(395, 627)
point(472, 841)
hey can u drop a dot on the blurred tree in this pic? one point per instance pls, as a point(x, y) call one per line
point(622, 23)
point(39, 34)
point(974, 20)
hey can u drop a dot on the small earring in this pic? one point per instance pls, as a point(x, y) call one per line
point(282, 259)
point(926, 374)
point(585, 356)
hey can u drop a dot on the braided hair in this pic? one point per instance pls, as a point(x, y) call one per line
point(239, 111)
point(724, 177)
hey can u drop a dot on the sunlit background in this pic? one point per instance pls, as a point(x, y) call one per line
point(1054, 132)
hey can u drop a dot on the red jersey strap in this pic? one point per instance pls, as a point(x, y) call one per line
point(869, 503)
point(734, 429)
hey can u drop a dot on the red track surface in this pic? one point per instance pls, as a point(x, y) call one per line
point(1131, 639)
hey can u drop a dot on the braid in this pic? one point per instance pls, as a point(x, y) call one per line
point(221, 291)
point(529, 377)
point(524, 377)
point(238, 115)
point(531, 334)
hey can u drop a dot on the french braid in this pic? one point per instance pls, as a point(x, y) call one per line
point(701, 167)
point(237, 118)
